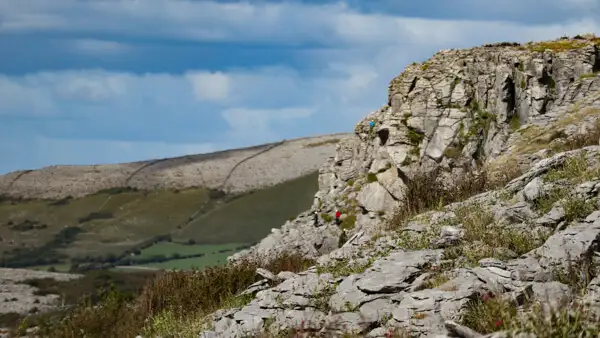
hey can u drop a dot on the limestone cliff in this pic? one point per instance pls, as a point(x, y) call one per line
point(522, 118)
point(457, 111)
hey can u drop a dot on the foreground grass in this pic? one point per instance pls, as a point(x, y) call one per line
point(427, 192)
point(170, 302)
point(492, 313)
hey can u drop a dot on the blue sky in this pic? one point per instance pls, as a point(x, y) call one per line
point(106, 81)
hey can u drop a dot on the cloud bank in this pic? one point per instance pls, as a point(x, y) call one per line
point(108, 81)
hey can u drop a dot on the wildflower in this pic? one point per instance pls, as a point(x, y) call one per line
point(498, 323)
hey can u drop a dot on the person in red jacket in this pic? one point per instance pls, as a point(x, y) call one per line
point(338, 214)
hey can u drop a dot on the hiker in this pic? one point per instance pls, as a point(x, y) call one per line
point(372, 124)
point(338, 214)
point(316, 218)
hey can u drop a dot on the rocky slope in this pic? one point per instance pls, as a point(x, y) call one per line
point(522, 116)
point(232, 171)
point(19, 297)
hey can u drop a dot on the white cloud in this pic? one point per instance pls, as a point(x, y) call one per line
point(286, 22)
point(18, 98)
point(98, 47)
point(243, 106)
point(261, 125)
point(210, 86)
point(82, 151)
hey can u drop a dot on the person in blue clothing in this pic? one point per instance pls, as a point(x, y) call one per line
point(372, 124)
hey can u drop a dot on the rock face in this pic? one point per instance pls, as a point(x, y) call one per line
point(485, 105)
point(232, 171)
point(528, 111)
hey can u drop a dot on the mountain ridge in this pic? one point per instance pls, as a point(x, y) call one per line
point(231, 171)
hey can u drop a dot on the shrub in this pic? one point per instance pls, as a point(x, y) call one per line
point(176, 295)
point(427, 192)
point(371, 177)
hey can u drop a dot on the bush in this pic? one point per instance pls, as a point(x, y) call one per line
point(178, 294)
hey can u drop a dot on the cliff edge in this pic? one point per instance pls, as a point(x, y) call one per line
point(477, 180)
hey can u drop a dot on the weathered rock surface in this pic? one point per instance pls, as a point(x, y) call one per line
point(506, 108)
point(233, 171)
point(493, 105)
point(18, 297)
point(391, 287)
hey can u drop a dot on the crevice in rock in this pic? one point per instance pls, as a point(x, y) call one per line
point(511, 97)
point(403, 177)
point(412, 85)
point(384, 135)
point(596, 65)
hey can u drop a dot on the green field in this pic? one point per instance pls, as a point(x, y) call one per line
point(169, 249)
point(213, 255)
point(192, 263)
point(112, 222)
point(254, 214)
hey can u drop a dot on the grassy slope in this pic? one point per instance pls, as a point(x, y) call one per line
point(254, 214)
point(114, 221)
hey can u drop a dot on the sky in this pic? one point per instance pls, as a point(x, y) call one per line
point(109, 81)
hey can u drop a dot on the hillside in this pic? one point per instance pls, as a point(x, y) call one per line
point(182, 212)
point(231, 171)
point(469, 207)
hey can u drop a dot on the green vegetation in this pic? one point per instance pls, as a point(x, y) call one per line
point(533, 138)
point(348, 222)
point(426, 191)
point(251, 217)
point(326, 217)
point(587, 76)
point(515, 122)
point(345, 267)
point(436, 280)
point(114, 226)
point(371, 177)
point(574, 170)
point(186, 257)
point(415, 137)
point(483, 238)
point(170, 302)
point(578, 208)
point(491, 313)
point(481, 120)
point(322, 143)
point(453, 151)
point(557, 46)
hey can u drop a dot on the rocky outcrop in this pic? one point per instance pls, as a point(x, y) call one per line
point(459, 110)
point(394, 284)
point(231, 171)
point(531, 245)
point(19, 297)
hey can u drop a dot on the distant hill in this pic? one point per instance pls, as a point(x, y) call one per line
point(170, 213)
point(232, 171)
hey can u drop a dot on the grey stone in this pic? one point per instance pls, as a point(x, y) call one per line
point(374, 197)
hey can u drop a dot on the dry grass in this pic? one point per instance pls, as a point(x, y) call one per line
point(534, 138)
point(172, 300)
point(322, 143)
point(557, 46)
point(484, 238)
point(427, 192)
point(436, 280)
point(490, 313)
